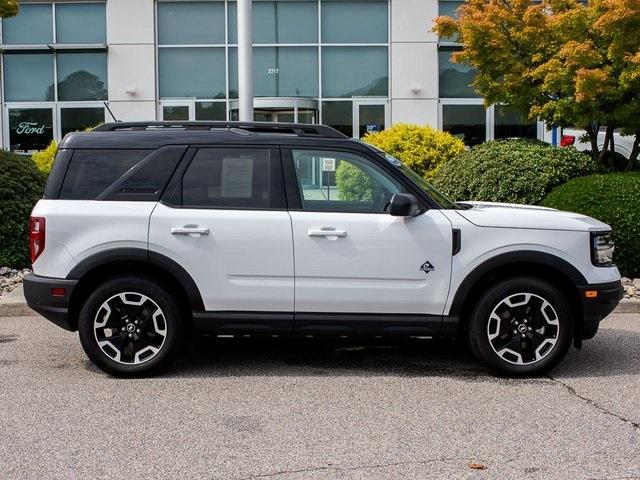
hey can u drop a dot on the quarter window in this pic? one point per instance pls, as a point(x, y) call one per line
point(228, 178)
point(342, 182)
point(92, 171)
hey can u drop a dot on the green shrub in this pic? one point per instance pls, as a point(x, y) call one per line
point(353, 184)
point(21, 185)
point(511, 171)
point(612, 198)
point(422, 149)
point(44, 158)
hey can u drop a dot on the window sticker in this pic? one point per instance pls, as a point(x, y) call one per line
point(237, 177)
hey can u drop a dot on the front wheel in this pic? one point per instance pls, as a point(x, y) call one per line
point(521, 326)
point(130, 326)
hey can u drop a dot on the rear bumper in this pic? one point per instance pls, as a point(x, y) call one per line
point(595, 309)
point(38, 291)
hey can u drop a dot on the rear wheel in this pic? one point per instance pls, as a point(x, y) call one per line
point(521, 326)
point(130, 326)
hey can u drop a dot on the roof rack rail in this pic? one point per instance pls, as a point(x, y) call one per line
point(301, 130)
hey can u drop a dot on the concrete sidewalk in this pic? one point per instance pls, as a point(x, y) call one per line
point(14, 305)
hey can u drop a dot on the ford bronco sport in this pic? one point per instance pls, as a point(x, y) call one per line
point(149, 230)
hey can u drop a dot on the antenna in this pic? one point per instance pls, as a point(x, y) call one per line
point(106, 105)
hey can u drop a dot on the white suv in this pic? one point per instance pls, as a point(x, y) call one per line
point(147, 231)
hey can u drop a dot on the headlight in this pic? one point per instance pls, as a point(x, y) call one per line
point(602, 247)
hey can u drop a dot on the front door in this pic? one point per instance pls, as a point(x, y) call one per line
point(356, 266)
point(226, 223)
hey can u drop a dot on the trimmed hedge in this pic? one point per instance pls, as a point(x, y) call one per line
point(21, 186)
point(612, 198)
point(422, 149)
point(511, 171)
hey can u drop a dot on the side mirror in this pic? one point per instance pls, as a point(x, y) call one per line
point(404, 205)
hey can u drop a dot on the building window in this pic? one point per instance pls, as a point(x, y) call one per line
point(211, 111)
point(354, 22)
point(509, 124)
point(32, 26)
point(279, 72)
point(454, 79)
point(467, 122)
point(47, 75)
point(449, 8)
point(81, 23)
point(279, 22)
point(79, 118)
point(192, 72)
point(30, 129)
point(28, 77)
point(82, 76)
point(191, 23)
point(338, 114)
point(355, 71)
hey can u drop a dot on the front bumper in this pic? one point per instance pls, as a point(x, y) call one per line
point(39, 293)
point(596, 308)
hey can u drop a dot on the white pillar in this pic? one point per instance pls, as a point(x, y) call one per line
point(245, 61)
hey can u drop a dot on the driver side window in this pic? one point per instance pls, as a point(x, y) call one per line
point(334, 181)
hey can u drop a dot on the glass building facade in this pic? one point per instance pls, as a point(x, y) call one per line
point(357, 65)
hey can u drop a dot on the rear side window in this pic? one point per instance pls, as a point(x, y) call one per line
point(228, 178)
point(91, 171)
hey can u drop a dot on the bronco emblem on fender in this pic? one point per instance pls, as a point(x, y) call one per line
point(427, 267)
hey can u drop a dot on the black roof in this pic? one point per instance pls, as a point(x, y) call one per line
point(147, 135)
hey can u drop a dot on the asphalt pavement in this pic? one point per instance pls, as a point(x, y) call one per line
point(312, 409)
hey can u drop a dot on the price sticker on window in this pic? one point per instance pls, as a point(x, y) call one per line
point(328, 164)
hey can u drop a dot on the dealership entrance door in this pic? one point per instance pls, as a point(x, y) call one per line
point(280, 109)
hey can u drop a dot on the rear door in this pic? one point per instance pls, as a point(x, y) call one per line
point(357, 267)
point(225, 222)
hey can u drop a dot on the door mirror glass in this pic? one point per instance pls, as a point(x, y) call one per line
point(404, 205)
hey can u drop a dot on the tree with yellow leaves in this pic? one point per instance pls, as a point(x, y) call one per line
point(8, 8)
point(566, 62)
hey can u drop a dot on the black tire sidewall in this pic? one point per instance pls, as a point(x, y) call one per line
point(479, 319)
point(156, 292)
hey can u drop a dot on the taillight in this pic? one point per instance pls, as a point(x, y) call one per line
point(567, 140)
point(36, 236)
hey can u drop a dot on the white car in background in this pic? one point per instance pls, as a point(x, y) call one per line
point(577, 138)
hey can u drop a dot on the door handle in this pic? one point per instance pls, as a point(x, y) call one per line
point(327, 232)
point(193, 231)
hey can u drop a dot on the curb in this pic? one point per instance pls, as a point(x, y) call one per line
point(14, 305)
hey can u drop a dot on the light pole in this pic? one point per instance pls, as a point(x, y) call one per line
point(245, 61)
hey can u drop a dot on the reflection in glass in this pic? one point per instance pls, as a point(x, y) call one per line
point(78, 119)
point(354, 22)
point(467, 122)
point(279, 22)
point(175, 112)
point(279, 72)
point(82, 76)
point(450, 10)
point(509, 124)
point(192, 72)
point(195, 23)
point(455, 79)
point(211, 111)
point(28, 77)
point(33, 25)
point(354, 71)
point(371, 118)
point(338, 115)
point(30, 129)
point(81, 23)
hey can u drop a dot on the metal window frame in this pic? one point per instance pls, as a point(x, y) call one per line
point(319, 44)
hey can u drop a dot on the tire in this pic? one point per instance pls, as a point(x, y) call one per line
point(521, 326)
point(131, 326)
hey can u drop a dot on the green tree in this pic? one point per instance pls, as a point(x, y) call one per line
point(8, 8)
point(565, 62)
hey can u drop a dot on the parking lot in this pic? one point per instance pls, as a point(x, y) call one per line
point(310, 409)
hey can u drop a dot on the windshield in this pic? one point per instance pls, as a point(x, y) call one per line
point(425, 186)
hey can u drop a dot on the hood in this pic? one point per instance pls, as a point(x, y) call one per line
point(509, 215)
